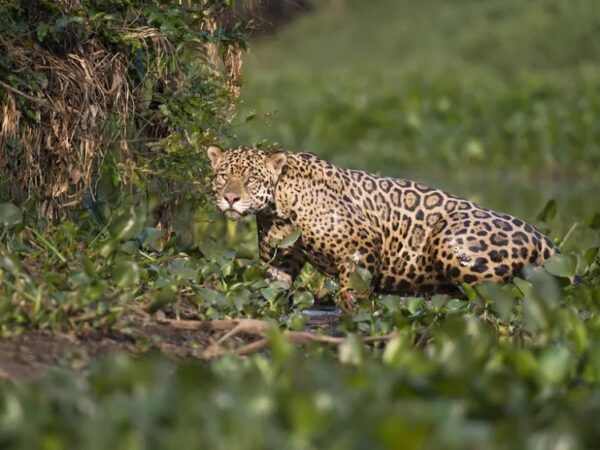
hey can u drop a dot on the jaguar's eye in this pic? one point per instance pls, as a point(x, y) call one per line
point(220, 178)
point(252, 179)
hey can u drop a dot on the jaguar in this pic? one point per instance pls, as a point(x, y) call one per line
point(412, 238)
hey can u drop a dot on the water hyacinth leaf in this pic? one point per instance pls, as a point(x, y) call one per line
point(79, 278)
point(501, 300)
point(211, 297)
point(592, 369)
point(129, 247)
point(590, 255)
point(469, 291)
point(582, 264)
point(351, 351)
point(413, 304)
point(11, 264)
point(271, 294)
point(524, 361)
point(107, 248)
point(439, 301)
point(360, 280)
point(535, 314)
point(287, 241)
point(281, 348)
point(151, 238)
point(594, 222)
point(126, 274)
point(213, 251)
point(281, 285)
point(10, 215)
point(252, 273)
point(303, 299)
point(545, 287)
point(183, 269)
point(240, 299)
point(162, 297)
point(296, 321)
point(549, 211)
point(561, 265)
point(391, 302)
point(525, 287)
point(123, 227)
point(87, 266)
point(393, 350)
point(554, 365)
point(455, 305)
point(575, 330)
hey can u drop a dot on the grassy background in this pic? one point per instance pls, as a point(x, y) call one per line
point(494, 100)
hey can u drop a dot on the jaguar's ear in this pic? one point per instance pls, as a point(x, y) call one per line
point(276, 162)
point(214, 153)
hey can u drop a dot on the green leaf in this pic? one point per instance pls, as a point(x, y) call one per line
point(351, 351)
point(213, 251)
point(549, 211)
point(545, 287)
point(126, 274)
point(271, 294)
point(394, 350)
point(455, 305)
point(211, 297)
point(151, 237)
point(413, 304)
point(438, 301)
point(501, 300)
point(303, 299)
point(123, 228)
point(594, 222)
point(287, 241)
point(535, 314)
point(561, 265)
point(524, 286)
point(391, 302)
point(360, 280)
point(469, 291)
point(554, 365)
point(11, 264)
point(590, 255)
point(10, 215)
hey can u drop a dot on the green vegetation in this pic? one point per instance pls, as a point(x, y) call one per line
point(97, 95)
point(461, 95)
point(494, 100)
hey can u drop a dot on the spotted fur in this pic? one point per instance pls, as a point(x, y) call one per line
point(411, 237)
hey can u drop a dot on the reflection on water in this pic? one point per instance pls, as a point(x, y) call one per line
point(322, 316)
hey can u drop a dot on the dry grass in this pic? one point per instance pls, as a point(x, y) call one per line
point(53, 156)
point(53, 138)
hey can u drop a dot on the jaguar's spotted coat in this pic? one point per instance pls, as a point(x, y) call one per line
point(411, 237)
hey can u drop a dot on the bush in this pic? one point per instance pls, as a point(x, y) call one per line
point(126, 89)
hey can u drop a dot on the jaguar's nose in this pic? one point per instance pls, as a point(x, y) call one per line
point(231, 198)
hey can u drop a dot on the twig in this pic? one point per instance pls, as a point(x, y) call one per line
point(216, 351)
point(259, 328)
point(23, 94)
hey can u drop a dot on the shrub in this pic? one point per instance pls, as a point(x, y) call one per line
point(128, 89)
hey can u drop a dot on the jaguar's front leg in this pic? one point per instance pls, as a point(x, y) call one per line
point(283, 264)
point(357, 275)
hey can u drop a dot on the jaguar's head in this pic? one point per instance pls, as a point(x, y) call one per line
point(244, 179)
